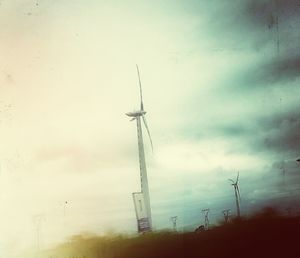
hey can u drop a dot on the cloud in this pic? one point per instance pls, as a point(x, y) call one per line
point(265, 12)
point(251, 26)
point(248, 21)
point(286, 69)
point(281, 132)
point(278, 72)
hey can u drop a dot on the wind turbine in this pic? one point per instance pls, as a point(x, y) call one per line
point(235, 184)
point(142, 199)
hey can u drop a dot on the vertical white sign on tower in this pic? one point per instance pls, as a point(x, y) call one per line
point(141, 212)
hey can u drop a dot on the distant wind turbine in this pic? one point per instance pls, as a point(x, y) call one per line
point(235, 184)
point(142, 199)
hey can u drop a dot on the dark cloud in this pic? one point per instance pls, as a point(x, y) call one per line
point(264, 14)
point(277, 133)
point(252, 24)
point(232, 130)
point(281, 133)
point(287, 68)
point(255, 19)
point(256, 24)
point(269, 12)
point(281, 18)
point(246, 23)
point(289, 167)
point(259, 26)
point(268, 73)
point(274, 133)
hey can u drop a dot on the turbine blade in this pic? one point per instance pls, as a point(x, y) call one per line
point(140, 84)
point(145, 123)
point(238, 191)
point(237, 178)
point(231, 181)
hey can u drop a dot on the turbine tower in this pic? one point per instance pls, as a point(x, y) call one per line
point(142, 199)
point(235, 184)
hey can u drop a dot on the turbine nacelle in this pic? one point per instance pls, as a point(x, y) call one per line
point(136, 113)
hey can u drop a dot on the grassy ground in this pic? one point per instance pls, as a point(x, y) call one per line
point(264, 235)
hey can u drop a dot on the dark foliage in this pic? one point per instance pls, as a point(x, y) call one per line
point(264, 235)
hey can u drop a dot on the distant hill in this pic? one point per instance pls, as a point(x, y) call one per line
point(264, 235)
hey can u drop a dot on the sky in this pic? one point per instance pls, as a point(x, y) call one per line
point(220, 87)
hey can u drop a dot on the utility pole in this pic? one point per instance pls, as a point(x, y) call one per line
point(174, 222)
point(38, 219)
point(206, 220)
point(226, 215)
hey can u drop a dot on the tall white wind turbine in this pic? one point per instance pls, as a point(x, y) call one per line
point(142, 199)
point(235, 184)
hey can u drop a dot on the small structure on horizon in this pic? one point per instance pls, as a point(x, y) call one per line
point(226, 215)
point(174, 222)
point(206, 219)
